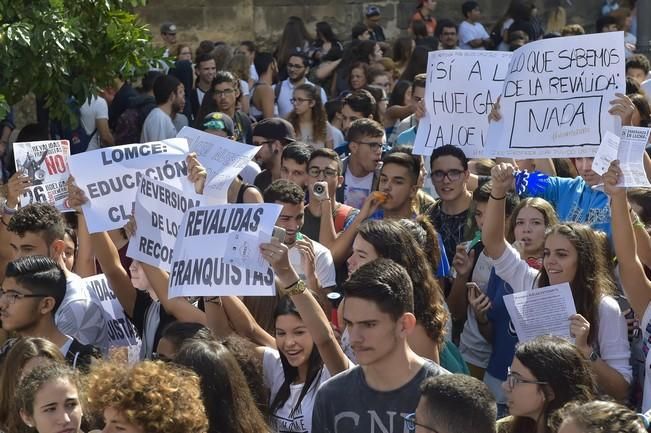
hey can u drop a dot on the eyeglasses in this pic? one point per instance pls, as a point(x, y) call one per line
point(316, 172)
point(225, 92)
point(262, 143)
point(512, 380)
point(294, 66)
point(410, 423)
point(12, 296)
point(453, 175)
point(299, 100)
point(374, 145)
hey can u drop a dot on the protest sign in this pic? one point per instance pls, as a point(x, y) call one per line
point(556, 96)
point(121, 332)
point(461, 87)
point(110, 177)
point(159, 209)
point(543, 311)
point(629, 149)
point(217, 251)
point(46, 164)
point(222, 158)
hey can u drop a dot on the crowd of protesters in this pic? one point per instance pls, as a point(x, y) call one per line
point(389, 314)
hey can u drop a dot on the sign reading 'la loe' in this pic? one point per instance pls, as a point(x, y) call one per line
point(556, 95)
point(217, 251)
point(461, 88)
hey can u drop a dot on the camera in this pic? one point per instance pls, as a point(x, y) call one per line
point(320, 190)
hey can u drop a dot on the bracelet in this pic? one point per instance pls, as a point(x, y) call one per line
point(6, 210)
point(497, 198)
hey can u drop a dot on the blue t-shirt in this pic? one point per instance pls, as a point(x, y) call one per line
point(407, 138)
point(574, 200)
point(504, 336)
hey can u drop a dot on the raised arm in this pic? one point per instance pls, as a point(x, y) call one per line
point(244, 323)
point(494, 219)
point(635, 283)
point(85, 260)
point(179, 307)
point(306, 304)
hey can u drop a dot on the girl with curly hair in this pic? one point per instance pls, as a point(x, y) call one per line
point(150, 397)
point(49, 399)
point(309, 117)
point(597, 417)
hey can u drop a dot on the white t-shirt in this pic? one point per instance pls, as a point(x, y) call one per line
point(158, 126)
point(357, 189)
point(287, 93)
point(81, 316)
point(286, 419)
point(94, 108)
point(200, 95)
point(473, 346)
point(612, 339)
point(337, 136)
point(253, 73)
point(324, 265)
point(469, 32)
point(244, 88)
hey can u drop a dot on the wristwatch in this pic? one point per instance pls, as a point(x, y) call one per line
point(594, 355)
point(6, 210)
point(295, 289)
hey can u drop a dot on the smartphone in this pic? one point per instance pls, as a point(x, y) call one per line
point(278, 233)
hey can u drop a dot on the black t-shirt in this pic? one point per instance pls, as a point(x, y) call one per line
point(452, 228)
point(143, 302)
point(263, 180)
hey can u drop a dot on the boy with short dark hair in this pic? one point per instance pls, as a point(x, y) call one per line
point(378, 313)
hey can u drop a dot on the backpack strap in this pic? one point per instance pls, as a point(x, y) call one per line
point(277, 90)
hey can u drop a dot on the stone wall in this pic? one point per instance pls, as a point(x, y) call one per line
point(263, 20)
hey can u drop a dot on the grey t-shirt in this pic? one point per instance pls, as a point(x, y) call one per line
point(346, 404)
point(158, 126)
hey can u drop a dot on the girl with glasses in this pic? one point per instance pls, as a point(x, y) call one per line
point(546, 373)
point(309, 117)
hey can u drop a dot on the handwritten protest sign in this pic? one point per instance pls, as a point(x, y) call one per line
point(158, 210)
point(556, 95)
point(46, 164)
point(217, 251)
point(222, 158)
point(461, 87)
point(543, 311)
point(629, 149)
point(121, 332)
point(110, 177)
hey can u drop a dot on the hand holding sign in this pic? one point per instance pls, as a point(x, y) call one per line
point(308, 260)
point(17, 185)
point(197, 174)
point(76, 196)
point(580, 329)
point(623, 107)
point(277, 255)
point(611, 180)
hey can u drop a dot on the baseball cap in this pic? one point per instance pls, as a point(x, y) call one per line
point(168, 27)
point(275, 128)
point(372, 11)
point(217, 121)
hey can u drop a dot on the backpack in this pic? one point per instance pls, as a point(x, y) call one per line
point(129, 127)
point(340, 217)
point(78, 137)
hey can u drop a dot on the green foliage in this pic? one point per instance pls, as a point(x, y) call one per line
point(62, 48)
